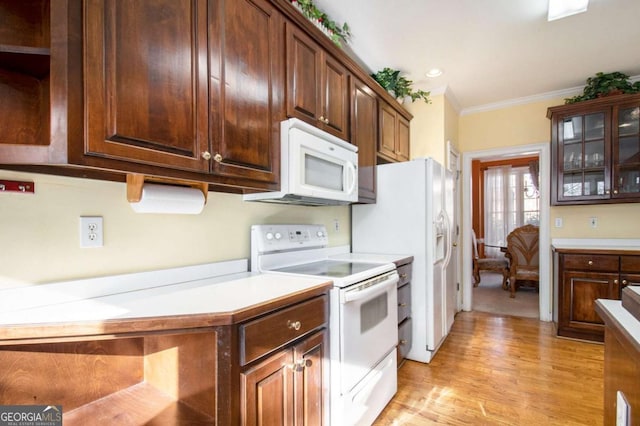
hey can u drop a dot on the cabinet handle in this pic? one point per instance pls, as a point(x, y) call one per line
point(590, 262)
point(217, 158)
point(294, 325)
point(403, 276)
point(402, 304)
point(300, 365)
point(403, 342)
point(206, 155)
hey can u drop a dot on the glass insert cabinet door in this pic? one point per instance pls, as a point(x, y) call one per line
point(583, 156)
point(626, 152)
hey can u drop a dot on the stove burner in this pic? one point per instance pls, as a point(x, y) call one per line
point(329, 268)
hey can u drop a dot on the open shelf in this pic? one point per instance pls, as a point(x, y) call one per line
point(137, 405)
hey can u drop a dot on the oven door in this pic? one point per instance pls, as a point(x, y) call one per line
point(368, 326)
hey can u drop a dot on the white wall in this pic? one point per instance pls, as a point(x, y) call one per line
point(39, 233)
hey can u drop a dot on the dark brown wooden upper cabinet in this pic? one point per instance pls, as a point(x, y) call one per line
point(394, 134)
point(317, 84)
point(246, 86)
point(364, 134)
point(595, 151)
point(145, 78)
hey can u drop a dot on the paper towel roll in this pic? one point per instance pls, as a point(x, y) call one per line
point(169, 199)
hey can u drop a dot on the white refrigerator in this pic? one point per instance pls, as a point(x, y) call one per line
point(410, 217)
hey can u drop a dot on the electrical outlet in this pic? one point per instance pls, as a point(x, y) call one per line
point(593, 221)
point(336, 225)
point(91, 231)
point(558, 222)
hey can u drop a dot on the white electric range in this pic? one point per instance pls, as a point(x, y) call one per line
point(363, 315)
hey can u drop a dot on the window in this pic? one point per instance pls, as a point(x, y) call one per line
point(511, 200)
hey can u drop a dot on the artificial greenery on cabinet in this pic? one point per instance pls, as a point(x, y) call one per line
point(605, 84)
point(399, 86)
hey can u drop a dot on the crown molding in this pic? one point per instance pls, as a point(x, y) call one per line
point(564, 93)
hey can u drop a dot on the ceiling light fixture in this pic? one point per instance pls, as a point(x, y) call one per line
point(434, 72)
point(562, 8)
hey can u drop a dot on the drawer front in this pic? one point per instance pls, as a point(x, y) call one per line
point(404, 339)
point(585, 262)
point(404, 272)
point(630, 264)
point(263, 335)
point(404, 302)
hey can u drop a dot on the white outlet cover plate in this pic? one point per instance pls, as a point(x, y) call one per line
point(91, 231)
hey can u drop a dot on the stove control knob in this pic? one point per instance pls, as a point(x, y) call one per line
point(269, 236)
point(320, 234)
point(278, 235)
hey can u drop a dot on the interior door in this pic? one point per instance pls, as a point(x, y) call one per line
point(452, 207)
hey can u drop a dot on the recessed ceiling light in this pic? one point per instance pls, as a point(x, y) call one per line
point(434, 72)
point(563, 8)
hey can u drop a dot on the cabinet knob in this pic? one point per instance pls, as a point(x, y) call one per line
point(590, 262)
point(607, 192)
point(615, 281)
point(403, 276)
point(326, 121)
point(402, 304)
point(294, 325)
point(625, 282)
point(615, 191)
point(217, 158)
point(206, 155)
point(300, 365)
point(403, 342)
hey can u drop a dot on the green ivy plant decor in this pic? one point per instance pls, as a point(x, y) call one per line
point(605, 84)
point(335, 32)
point(399, 86)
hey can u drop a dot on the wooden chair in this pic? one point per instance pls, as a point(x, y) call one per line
point(523, 247)
point(488, 264)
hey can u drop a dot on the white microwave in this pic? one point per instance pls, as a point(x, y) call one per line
point(317, 168)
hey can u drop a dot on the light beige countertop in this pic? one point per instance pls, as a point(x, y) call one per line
point(193, 299)
point(622, 244)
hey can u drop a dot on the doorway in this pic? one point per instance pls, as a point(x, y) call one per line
point(542, 150)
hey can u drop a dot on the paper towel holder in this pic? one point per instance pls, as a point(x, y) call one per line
point(135, 183)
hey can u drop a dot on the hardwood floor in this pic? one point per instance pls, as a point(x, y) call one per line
point(501, 370)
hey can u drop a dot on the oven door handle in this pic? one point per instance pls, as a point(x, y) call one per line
point(374, 290)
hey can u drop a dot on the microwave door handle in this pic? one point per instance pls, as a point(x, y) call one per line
point(352, 172)
point(355, 295)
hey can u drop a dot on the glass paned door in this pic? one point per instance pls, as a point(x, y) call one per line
point(583, 156)
point(626, 152)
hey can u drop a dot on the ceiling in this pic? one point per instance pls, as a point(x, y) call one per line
point(491, 51)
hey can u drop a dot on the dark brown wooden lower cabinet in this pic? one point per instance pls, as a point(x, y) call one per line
point(286, 386)
point(585, 275)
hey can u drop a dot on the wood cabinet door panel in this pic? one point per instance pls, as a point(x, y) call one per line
point(364, 135)
point(303, 58)
point(387, 130)
point(403, 139)
point(308, 388)
point(246, 86)
point(146, 95)
point(335, 97)
point(580, 292)
point(267, 392)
